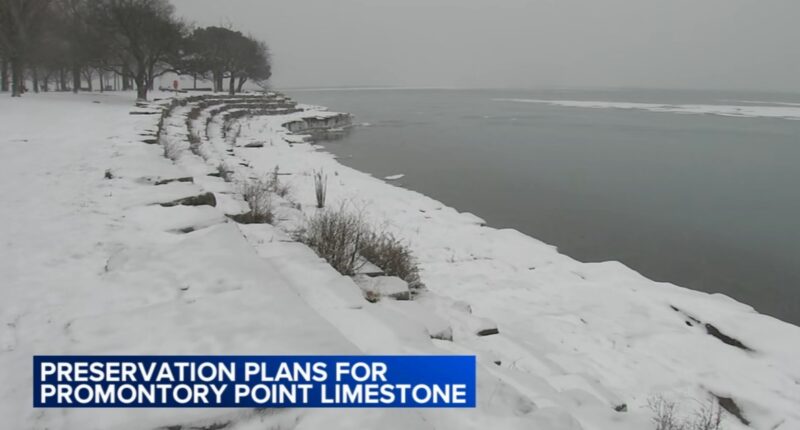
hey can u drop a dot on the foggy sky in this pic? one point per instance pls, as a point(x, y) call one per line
point(721, 44)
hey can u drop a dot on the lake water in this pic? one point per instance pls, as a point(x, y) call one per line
point(703, 201)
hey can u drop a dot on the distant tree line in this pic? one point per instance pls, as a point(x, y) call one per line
point(58, 45)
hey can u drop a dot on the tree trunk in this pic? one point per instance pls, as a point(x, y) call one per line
point(194, 85)
point(4, 76)
point(102, 84)
point(89, 79)
point(142, 84)
point(126, 82)
point(218, 85)
point(35, 76)
point(16, 77)
point(232, 85)
point(62, 79)
point(242, 80)
point(141, 91)
point(76, 78)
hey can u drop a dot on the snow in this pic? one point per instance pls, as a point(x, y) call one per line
point(96, 266)
point(90, 267)
point(774, 110)
point(394, 177)
point(383, 286)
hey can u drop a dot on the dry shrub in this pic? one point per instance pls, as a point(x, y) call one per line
point(276, 186)
point(224, 172)
point(344, 240)
point(256, 193)
point(665, 416)
point(337, 236)
point(320, 188)
point(393, 257)
point(708, 417)
point(282, 189)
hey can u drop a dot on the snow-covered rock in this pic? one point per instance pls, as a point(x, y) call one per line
point(437, 327)
point(383, 286)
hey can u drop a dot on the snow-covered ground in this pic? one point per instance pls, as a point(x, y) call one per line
point(748, 110)
point(91, 263)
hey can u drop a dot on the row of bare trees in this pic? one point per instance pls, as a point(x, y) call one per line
point(60, 44)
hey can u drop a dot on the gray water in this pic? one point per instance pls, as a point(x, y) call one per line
point(706, 202)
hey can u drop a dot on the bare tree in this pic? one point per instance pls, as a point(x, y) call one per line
point(143, 38)
point(220, 53)
point(206, 54)
point(52, 51)
point(20, 26)
point(47, 41)
point(77, 35)
point(256, 64)
point(3, 71)
point(212, 53)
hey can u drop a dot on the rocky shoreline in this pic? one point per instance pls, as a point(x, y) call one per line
point(503, 283)
point(132, 234)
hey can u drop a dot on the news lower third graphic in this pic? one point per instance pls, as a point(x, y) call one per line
point(441, 381)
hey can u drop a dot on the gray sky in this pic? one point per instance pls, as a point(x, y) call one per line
point(728, 44)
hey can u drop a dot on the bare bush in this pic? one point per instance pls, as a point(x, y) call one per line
point(708, 417)
point(256, 193)
point(393, 257)
point(337, 236)
point(665, 416)
point(345, 241)
point(231, 130)
point(282, 189)
point(320, 188)
point(224, 173)
point(277, 186)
